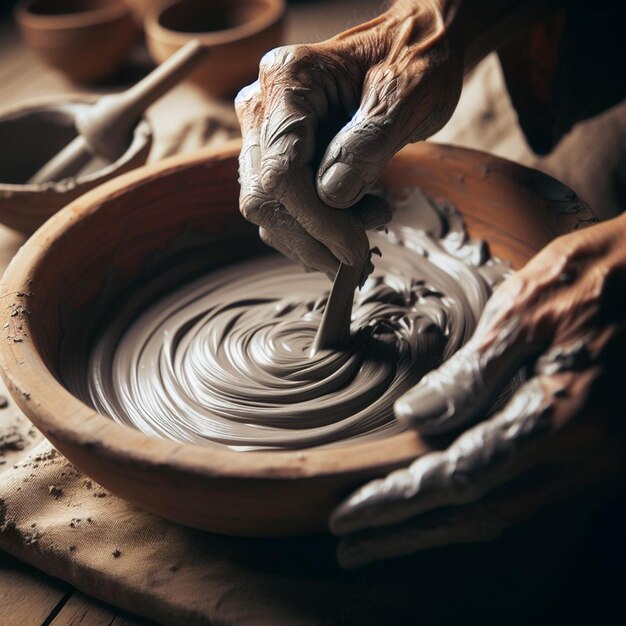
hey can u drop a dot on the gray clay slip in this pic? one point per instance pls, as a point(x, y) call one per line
point(226, 359)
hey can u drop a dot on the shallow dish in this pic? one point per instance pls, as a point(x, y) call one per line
point(105, 241)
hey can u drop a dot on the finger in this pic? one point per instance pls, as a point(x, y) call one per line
point(299, 248)
point(477, 522)
point(287, 145)
point(372, 212)
point(467, 384)
point(278, 228)
point(480, 459)
point(388, 118)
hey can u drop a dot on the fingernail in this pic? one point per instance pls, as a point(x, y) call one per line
point(420, 407)
point(341, 185)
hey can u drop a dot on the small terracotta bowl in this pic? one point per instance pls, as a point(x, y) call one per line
point(87, 40)
point(139, 8)
point(73, 269)
point(236, 32)
point(30, 135)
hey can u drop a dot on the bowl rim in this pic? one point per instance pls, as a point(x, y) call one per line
point(67, 421)
point(116, 10)
point(273, 13)
point(142, 135)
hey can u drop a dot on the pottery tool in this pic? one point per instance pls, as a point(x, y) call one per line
point(105, 128)
point(334, 329)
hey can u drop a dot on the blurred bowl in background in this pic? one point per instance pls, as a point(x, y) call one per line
point(87, 40)
point(30, 134)
point(237, 34)
point(139, 8)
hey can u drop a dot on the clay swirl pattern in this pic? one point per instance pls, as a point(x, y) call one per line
point(225, 360)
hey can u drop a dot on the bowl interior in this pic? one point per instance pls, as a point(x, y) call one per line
point(29, 138)
point(200, 16)
point(32, 134)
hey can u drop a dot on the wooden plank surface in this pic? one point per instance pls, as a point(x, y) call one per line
point(28, 597)
point(81, 610)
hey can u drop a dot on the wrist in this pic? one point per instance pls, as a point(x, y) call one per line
point(417, 24)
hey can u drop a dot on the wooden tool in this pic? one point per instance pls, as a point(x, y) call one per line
point(334, 330)
point(105, 128)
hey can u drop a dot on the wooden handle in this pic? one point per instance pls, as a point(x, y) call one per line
point(107, 126)
point(66, 163)
point(139, 97)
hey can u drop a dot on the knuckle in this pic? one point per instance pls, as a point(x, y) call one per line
point(274, 171)
point(247, 97)
point(250, 203)
point(278, 59)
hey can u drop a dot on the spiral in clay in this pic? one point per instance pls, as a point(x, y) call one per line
point(225, 360)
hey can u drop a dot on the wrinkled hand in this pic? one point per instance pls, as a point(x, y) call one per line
point(323, 120)
point(563, 319)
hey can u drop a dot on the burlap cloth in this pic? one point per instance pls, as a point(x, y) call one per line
point(57, 519)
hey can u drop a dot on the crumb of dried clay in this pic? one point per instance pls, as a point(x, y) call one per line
point(100, 494)
point(12, 439)
point(55, 491)
point(117, 553)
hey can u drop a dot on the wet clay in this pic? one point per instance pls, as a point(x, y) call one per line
point(226, 359)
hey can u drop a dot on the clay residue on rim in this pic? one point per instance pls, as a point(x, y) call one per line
point(225, 360)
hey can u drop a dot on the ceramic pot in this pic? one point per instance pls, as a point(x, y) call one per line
point(237, 34)
point(87, 40)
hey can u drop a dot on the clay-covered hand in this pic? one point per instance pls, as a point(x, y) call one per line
point(562, 321)
point(322, 121)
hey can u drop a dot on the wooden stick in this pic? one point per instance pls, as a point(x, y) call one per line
point(334, 330)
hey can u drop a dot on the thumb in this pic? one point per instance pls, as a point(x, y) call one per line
point(356, 157)
point(398, 106)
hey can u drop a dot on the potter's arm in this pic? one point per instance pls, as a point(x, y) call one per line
point(322, 120)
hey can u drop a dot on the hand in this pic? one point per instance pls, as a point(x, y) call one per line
point(563, 319)
point(323, 120)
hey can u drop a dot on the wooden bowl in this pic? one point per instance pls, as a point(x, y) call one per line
point(30, 134)
point(87, 40)
point(236, 32)
point(105, 241)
